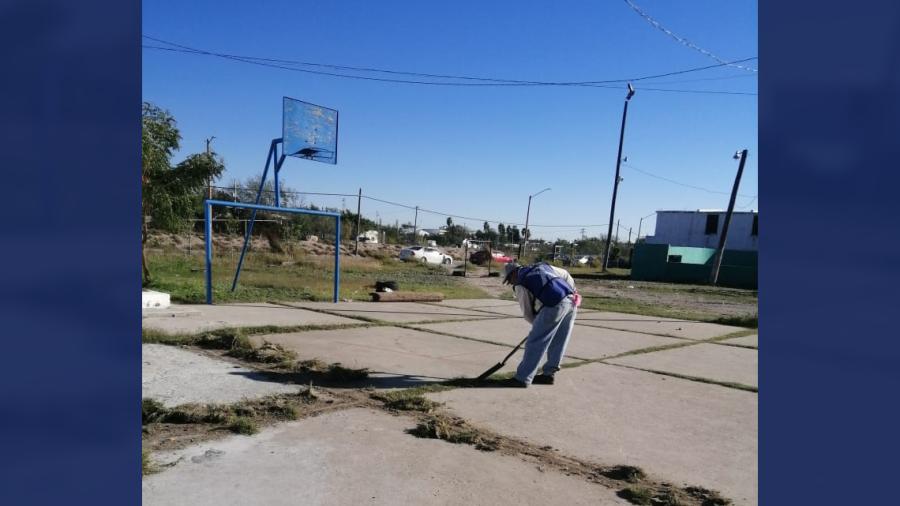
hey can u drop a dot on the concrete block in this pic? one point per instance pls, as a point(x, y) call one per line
point(745, 341)
point(203, 317)
point(394, 312)
point(176, 376)
point(395, 356)
point(682, 431)
point(586, 342)
point(657, 325)
point(711, 361)
point(356, 456)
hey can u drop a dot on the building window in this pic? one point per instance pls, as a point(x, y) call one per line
point(674, 259)
point(755, 230)
point(712, 224)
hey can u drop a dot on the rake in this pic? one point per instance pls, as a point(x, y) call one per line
point(486, 374)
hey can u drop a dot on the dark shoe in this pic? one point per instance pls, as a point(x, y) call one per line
point(543, 379)
point(511, 383)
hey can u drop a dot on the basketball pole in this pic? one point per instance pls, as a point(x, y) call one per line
point(272, 153)
point(612, 209)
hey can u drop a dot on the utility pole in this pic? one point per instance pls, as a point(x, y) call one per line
point(527, 233)
point(617, 231)
point(416, 227)
point(720, 251)
point(209, 180)
point(358, 220)
point(612, 209)
point(629, 235)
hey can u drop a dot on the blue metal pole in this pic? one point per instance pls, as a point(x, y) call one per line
point(337, 259)
point(277, 170)
point(207, 214)
point(262, 182)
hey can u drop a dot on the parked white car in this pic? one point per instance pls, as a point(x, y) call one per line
point(425, 255)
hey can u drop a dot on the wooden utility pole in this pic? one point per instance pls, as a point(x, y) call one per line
point(209, 192)
point(720, 251)
point(358, 220)
point(416, 227)
point(612, 207)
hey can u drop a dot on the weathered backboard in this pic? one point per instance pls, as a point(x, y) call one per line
point(309, 131)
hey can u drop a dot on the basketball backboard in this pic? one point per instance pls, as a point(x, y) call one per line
point(309, 131)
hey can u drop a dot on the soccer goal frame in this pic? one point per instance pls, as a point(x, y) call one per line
point(207, 214)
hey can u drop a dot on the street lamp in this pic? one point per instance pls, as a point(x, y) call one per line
point(525, 232)
point(612, 209)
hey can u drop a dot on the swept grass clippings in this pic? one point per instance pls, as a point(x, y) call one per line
point(406, 400)
point(147, 466)
point(242, 425)
point(637, 495)
point(748, 321)
point(332, 373)
point(631, 474)
point(453, 430)
point(707, 497)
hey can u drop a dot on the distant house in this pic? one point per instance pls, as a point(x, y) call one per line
point(703, 228)
point(684, 245)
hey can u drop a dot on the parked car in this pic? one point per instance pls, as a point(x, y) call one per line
point(481, 257)
point(425, 254)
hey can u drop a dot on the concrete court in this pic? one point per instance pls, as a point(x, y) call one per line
point(203, 317)
point(586, 342)
point(683, 431)
point(744, 341)
point(656, 325)
point(396, 357)
point(394, 312)
point(176, 376)
point(710, 361)
point(356, 456)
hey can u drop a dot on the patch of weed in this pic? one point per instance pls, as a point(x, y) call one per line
point(244, 426)
point(151, 410)
point(267, 353)
point(631, 474)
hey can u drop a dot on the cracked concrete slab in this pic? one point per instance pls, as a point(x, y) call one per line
point(203, 317)
point(176, 376)
point(657, 325)
point(681, 431)
point(356, 456)
point(496, 306)
point(705, 360)
point(396, 357)
point(394, 312)
point(744, 341)
point(586, 342)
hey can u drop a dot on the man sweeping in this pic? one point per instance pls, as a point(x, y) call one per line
point(549, 302)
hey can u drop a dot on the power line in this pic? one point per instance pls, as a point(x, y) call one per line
point(482, 81)
point(682, 40)
point(679, 183)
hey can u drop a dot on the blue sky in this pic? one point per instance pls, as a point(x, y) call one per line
point(474, 151)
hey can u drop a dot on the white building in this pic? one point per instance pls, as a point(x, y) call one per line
point(702, 229)
point(369, 236)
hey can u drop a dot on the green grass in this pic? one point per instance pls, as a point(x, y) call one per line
point(263, 278)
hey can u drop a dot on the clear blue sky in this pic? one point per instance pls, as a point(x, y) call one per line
point(473, 151)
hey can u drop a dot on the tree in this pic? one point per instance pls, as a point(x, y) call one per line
point(501, 230)
point(449, 222)
point(516, 237)
point(168, 194)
